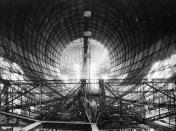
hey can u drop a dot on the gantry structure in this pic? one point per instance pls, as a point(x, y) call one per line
point(140, 38)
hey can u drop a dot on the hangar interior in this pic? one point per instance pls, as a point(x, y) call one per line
point(88, 65)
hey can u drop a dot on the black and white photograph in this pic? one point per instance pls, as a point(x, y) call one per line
point(87, 65)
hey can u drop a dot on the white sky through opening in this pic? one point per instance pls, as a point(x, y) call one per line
point(71, 61)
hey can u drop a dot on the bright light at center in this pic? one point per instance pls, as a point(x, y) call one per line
point(73, 66)
point(77, 69)
point(93, 68)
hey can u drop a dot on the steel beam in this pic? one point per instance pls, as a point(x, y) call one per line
point(32, 126)
point(162, 92)
point(64, 100)
point(21, 95)
point(110, 81)
point(114, 92)
point(161, 116)
point(18, 116)
point(94, 127)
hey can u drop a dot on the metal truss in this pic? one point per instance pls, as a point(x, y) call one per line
point(136, 34)
point(116, 106)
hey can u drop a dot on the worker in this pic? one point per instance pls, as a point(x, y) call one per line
point(92, 105)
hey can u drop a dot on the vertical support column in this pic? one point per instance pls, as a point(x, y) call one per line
point(120, 102)
point(170, 104)
point(6, 95)
point(29, 108)
point(101, 99)
point(85, 61)
point(144, 99)
point(1, 88)
point(102, 103)
point(12, 99)
point(87, 34)
point(12, 103)
point(41, 98)
point(21, 99)
point(84, 100)
point(173, 104)
point(159, 107)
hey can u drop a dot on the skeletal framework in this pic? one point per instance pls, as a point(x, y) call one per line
point(139, 36)
point(128, 108)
